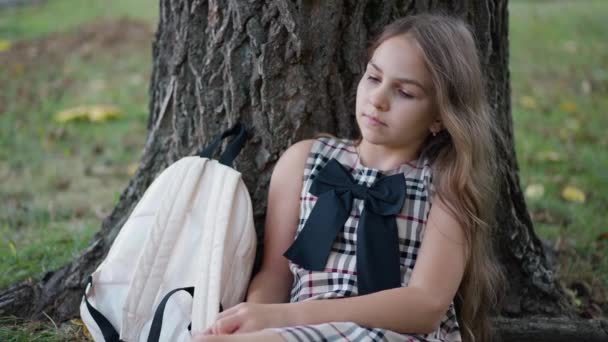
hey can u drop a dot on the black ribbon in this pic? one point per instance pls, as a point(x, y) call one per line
point(377, 235)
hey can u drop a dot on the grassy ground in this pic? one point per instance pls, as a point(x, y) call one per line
point(559, 65)
point(59, 180)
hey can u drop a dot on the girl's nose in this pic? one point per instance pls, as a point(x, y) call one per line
point(378, 98)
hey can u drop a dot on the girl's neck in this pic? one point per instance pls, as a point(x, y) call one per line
point(382, 157)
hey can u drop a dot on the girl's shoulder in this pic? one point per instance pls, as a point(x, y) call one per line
point(323, 145)
point(298, 151)
point(329, 144)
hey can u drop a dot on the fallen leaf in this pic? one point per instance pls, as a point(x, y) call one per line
point(573, 194)
point(81, 324)
point(71, 114)
point(535, 191)
point(97, 113)
point(77, 322)
point(87, 333)
point(103, 113)
point(132, 168)
point(548, 155)
point(528, 102)
point(13, 248)
point(586, 87)
point(568, 107)
point(5, 45)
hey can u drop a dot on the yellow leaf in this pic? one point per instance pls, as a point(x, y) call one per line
point(535, 191)
point(528, 102)
point(573, 194)
point(81, 324)
point(76, 113)
point(5, 45)
point(13, 248)
point(132, 168)
point(92, 113)
point(77, 321)
point(87, 333)
point(568, 107)
point(103, 113)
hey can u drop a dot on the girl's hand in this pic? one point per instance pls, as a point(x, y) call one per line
point(249, 317)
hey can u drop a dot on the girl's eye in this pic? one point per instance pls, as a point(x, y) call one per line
point(405, 95)
point(373, 78)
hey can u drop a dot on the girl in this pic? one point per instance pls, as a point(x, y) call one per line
point(394, 226)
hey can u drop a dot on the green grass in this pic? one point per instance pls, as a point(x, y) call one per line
point(63, 15)
point(559, 70)
point(60, 179)
point(16, 330)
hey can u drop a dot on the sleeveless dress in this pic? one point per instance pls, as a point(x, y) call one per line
point(339, 279)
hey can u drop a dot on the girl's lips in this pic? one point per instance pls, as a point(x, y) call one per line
point(373, 121)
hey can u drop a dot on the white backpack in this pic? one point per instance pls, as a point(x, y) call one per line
point(192, 230)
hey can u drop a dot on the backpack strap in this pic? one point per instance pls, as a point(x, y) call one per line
point(107, 330)
point(233, 148)
point(157, 321)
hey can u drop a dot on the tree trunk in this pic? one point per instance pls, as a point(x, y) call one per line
point(287, 70)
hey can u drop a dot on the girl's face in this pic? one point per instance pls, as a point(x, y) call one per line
point(395, 103)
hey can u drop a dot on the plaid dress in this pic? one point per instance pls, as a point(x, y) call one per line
point(339, 279)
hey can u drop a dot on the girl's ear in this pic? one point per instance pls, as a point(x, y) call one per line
point(436, 127)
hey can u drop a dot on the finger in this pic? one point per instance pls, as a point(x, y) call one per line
point(244, 328)
point(228, 312)
point(227, 325)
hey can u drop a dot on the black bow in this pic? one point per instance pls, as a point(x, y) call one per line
point(377, 236)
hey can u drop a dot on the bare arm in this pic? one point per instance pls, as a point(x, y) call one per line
point(273, 283)
point(417, 308)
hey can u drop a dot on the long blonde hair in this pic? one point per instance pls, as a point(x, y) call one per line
point(463, 157)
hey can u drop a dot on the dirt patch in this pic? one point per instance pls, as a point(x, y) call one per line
point(104, 37)
point(28, 62)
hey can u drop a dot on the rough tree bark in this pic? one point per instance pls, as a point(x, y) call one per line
point(288, 69)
